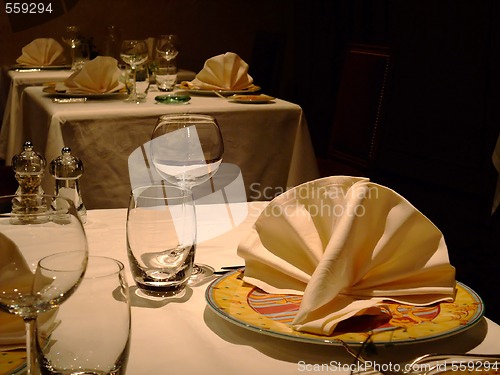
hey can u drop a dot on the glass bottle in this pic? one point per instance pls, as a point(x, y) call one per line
point(29, 167)
point(67, 170)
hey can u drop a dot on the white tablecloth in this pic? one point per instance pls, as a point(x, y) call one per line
point(186, 337)
point(14, 83)
point(270, 143)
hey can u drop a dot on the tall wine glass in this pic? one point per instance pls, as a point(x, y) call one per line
point(43, 257)
point(134, 53)
point(72, 37)
point(187, 150)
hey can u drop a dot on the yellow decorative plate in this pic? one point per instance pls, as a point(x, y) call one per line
point(249, 307)
point(12, 362)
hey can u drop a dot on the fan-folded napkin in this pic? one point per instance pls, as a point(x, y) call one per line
point(223, 72)
point(42, 52)
point(346, 244)
point(15, 270)
point(99, 76)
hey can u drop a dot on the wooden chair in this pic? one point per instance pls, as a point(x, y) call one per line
point(359, 112)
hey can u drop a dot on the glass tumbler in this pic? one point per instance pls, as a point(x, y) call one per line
point(161, 239)
point(89, 333)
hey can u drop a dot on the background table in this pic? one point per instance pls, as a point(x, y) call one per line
point(270, 143)
point(12, 84)
point(185, 337)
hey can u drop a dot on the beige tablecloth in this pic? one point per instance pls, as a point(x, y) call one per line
point(12, 84)
point(270, 143)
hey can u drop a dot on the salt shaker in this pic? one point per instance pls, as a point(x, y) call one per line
point(67, 169)
point(29, 167)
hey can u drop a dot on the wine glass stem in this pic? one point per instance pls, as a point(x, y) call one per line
point(133, 94)
point(73, 48)
point(31, 349)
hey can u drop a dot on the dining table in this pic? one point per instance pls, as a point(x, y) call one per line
point(13, 81)
point(187, 335)
point(270, 143)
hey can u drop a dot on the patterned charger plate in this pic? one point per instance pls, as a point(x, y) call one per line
point(249, 307)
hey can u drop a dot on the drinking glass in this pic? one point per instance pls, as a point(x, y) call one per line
point(134, 53)
point(43, 256)
point(161, 239)
point(72, 37)
point(81, 55)
point(96, 316)
point(187, 150)
point(165, 74)
point(167, 46)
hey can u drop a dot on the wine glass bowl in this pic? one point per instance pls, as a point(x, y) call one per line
point(134, 53)
point(167, 46)
point(43, 257)
point(187, 149)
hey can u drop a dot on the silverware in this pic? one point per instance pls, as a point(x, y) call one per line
point(69, 100)
point(430, 364)
point(227, 269)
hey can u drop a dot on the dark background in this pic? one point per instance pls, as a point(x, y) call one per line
point(442, 118)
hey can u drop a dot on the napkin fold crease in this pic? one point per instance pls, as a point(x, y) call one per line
point(42, 52)
point(346, 244)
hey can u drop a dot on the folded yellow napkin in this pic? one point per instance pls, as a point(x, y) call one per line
point(100, 76)
point(346, 244)
point(13, 270)
point(42, 52)
point(222, 72)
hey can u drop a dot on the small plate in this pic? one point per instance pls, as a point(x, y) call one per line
point(251, 99)
point(271, 314)
point(69, 94)
point(29, 68)
point(249, 89)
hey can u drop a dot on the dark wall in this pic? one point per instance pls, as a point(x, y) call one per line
point(442, 118)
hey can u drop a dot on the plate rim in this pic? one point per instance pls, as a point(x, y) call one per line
point(205, 92)
point(51, 91)
point(323, 340)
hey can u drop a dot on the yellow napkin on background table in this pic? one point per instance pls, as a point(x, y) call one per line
point(346, 244)
point(42, 52)
point(222, 72)
point(99, 76)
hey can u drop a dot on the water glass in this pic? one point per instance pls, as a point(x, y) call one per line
point(89, 333)
point(166, 74)
point(161, 239)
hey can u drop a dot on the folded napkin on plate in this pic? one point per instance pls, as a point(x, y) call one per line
point(42, 52)
point(98, 76)
point(222, 72)
point(15, 270)
point(346, 244)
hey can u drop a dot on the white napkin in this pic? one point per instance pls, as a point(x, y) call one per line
point(223, 72)
point(15, 270)
point(42, 52)
point(99, 76)
point(346, 244)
